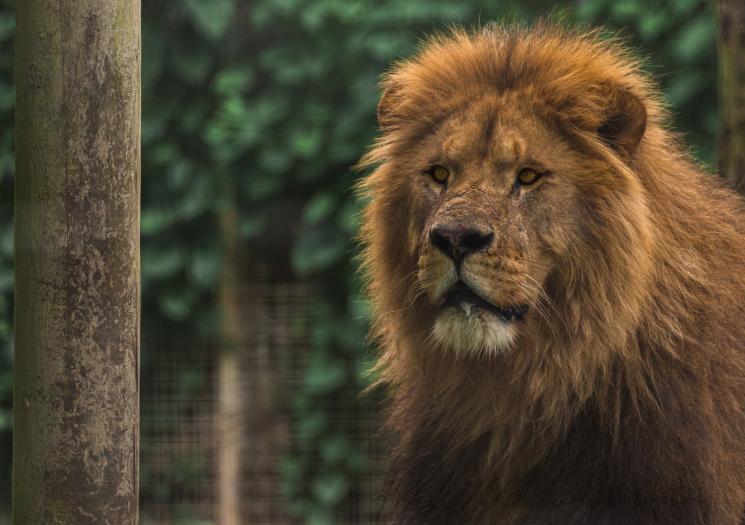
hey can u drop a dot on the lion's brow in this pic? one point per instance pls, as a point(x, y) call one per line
point(487, 128)
point(508, 147)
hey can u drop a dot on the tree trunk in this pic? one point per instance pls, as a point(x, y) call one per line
point(76, 387)
point(229, 396)
point(731, 14)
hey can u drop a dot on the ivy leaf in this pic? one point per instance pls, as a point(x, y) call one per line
point(318, 208)
point(251, 226)
point(192, 64)
point(324, 374)
point(161, 261)
point(311, 425)
point(330, 488)
point(305, 142)
point(210, 18)
point(696, 39)
point(5, 419)
point(320, 516)
point(7, 26)
point(318, 248)
point(205, 267)
point(155, 220)
point(177, 304)
point(232, 81)
point(335, 448)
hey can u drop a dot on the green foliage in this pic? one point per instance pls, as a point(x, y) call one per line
point(265, 105)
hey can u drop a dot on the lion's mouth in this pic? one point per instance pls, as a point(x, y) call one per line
point(460, 294)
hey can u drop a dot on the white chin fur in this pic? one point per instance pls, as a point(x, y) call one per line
point(466, 329)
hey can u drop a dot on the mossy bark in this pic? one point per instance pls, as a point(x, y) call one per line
point(731, 15)
point(76, 386)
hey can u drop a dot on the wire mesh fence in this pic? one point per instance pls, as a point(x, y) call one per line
point(217, 424)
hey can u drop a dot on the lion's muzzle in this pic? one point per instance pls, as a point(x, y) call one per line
point(458, 241)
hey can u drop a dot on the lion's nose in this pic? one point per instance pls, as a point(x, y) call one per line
point(458, 241)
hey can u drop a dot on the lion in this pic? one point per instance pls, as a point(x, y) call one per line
point(557, 287)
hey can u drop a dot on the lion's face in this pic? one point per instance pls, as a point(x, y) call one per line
point(494, 206)
point(505, 206)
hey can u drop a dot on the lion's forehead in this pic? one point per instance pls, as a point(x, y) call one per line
point(485, 135)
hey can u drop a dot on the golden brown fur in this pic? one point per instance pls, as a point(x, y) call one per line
point(619, 398)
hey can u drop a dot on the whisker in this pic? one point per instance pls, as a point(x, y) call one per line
point(526, 296)
point(539, 288)
point(409, 275)
point(406, 307)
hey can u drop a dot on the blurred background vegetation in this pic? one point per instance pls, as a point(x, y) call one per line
point(253, 113)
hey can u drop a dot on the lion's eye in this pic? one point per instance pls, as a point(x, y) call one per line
point(528, 176)
point(439, 173)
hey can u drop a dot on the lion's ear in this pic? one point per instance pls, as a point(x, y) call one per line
point(625, 122)
point(387, 105)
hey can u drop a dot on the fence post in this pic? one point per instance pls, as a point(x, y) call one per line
point(229, 401)
point(77, 290)
point(731, 16)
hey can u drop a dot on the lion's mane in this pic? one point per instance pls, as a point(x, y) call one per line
point(632, 409)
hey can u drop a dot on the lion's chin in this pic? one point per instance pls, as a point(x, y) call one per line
point(468, 330)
